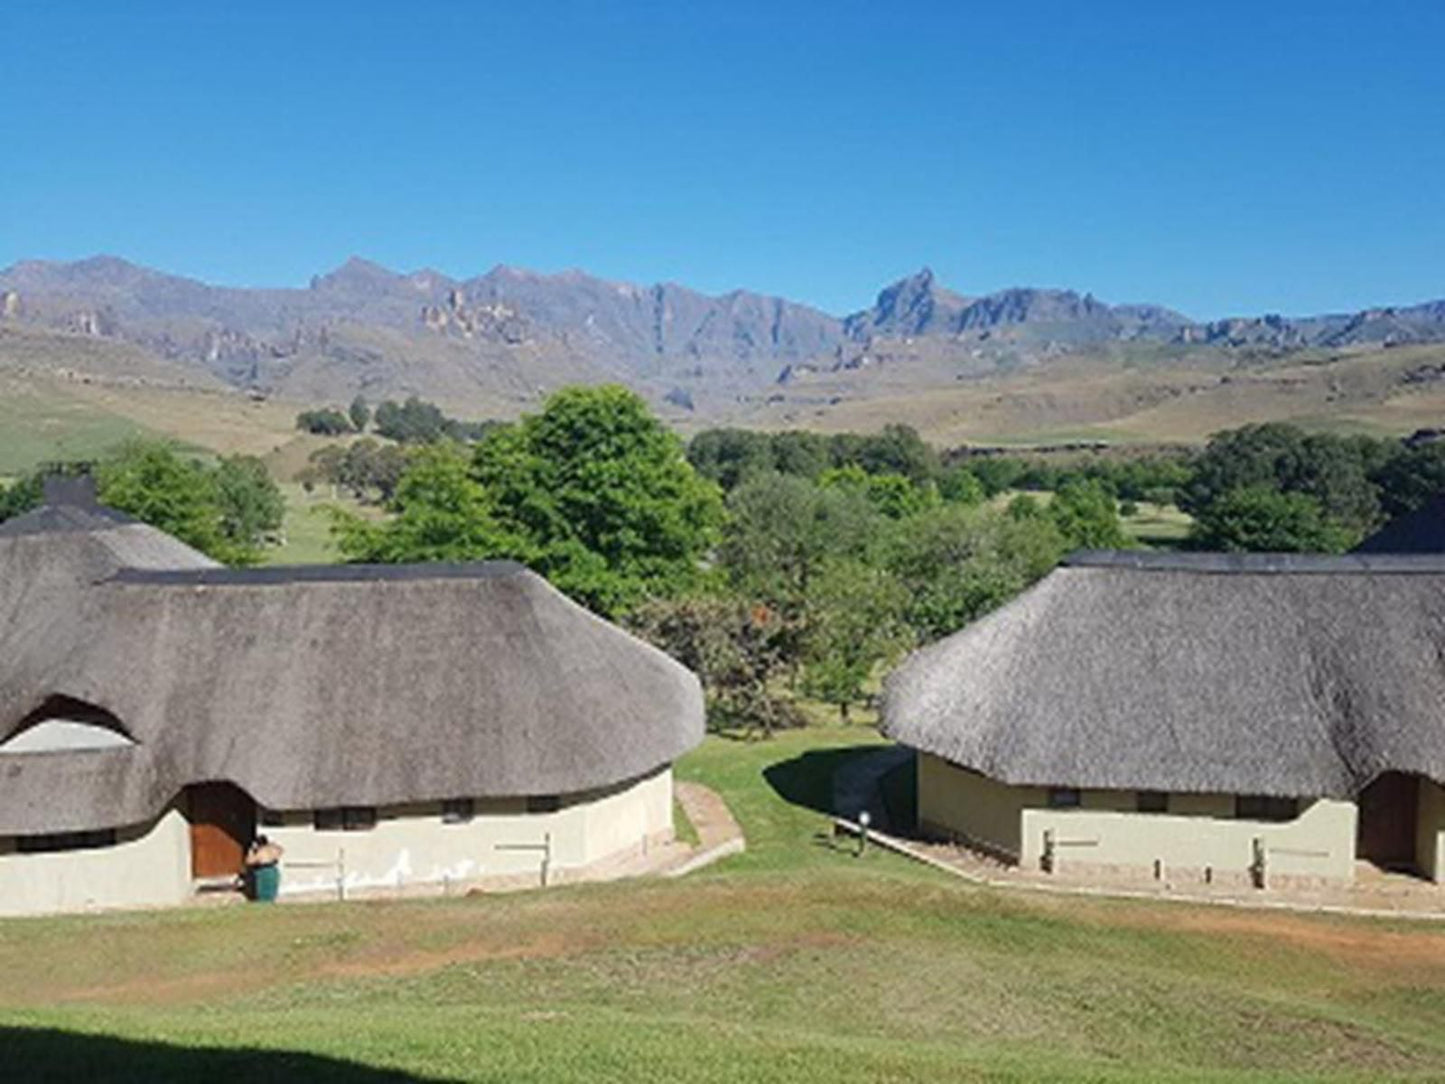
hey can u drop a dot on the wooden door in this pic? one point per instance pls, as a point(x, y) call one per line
point(1387, 808)
point(223, 823)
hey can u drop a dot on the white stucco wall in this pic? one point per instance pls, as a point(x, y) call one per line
point(1430, 831)
point(410, 845)
point(149, 865)
point(1199, 832)
point(1319, 843)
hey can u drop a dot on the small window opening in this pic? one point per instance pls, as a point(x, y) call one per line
point(1064, 798)
point(543, 803)
point(1151, 801)
point(458, 810)
point(349, 818)
point(64, 724)
point(1265, 807)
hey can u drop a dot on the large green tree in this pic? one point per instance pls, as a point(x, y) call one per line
point(1333, 471)
point(600, 489)
point(252, 507)
point(1262, 519)
point(223, 511)
point(857, 626)
point(956, 563)
point(439, 512)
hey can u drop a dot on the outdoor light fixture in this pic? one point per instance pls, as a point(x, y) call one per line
point(864, 819)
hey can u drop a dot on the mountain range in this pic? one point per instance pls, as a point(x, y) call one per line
point(499, 340)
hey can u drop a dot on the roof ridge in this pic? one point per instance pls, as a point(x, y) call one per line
point(1259, 563)
point(286, 574)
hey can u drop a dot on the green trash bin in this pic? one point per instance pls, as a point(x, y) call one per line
point(265, 883)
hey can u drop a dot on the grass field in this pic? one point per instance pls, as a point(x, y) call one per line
point(793, 962)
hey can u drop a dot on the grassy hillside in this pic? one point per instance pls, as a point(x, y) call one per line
point(68, 392)
point(796, 961)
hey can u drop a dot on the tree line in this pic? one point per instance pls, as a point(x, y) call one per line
point(767, 582)
point(413, 421)
point(1270, 487)
point(229, 508)
point(774, 564)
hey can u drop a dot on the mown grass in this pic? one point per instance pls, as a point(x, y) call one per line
point(306, 529)
point(796, 961)
point(37, 428)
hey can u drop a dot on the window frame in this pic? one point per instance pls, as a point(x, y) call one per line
point(345, 818)
point(1151, 801)
point(459, 810)
point(1265, 807)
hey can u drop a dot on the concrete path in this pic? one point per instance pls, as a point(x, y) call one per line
point(856, 784)
point(718, 832)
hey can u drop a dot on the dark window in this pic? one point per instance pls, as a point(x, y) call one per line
point(1264, 807)
point(65, 841)
point(543, 803)
point(1151, 801)
point(270, 818)
point(350, 818)
point(1063, 798)
point(458, 811)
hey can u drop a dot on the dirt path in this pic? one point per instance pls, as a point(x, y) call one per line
point(718, 831)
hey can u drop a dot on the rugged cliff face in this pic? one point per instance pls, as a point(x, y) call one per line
point(512, 334)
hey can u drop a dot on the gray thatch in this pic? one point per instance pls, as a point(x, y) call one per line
point(1194, 673)
point(314, 688)
point(1421, 531)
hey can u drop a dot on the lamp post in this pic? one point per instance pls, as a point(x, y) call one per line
point(864, 819)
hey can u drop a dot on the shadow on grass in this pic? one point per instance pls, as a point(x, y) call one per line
point(47, 1054)
point(807, 780)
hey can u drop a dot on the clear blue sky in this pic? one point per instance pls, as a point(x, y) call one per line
point(1221, 157)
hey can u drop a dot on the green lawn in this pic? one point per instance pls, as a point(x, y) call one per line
point(793, 962)
point(1161, 526)
point(307, 527)
point(35, 428)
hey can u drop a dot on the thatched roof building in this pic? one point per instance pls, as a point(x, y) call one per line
point(310, 688)
point(1251, 674)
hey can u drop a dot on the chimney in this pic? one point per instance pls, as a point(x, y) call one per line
point(72, 490)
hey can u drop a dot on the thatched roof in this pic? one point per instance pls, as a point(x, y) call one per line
point(1421, 531)
point(1295, 676)
point(350, 685)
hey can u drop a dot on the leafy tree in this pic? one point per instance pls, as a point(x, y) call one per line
point(1087, 515)
point(801, 453)
point(1025, 506)
point(893, 495)
point(1334, 471)
point(359, 413)
point(959, 485)
point(151, 481)
point(858, 625)
point(898, 449)
point(781, 529)
point(996, 473)
point(439, 513)
point(728, 456)
point(600, 489)
point(21, 496)
point(736, 647)
point(1410, 477)
point(411, 422)
point(956, 563)
point(328, 423)
point(1262, 519)
point(251, 505)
